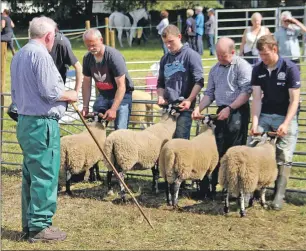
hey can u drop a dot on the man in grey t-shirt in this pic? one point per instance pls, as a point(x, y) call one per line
point(39, 94)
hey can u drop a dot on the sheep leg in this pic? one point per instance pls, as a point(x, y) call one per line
point(68, 182)
point(242, 206)
point(168, 194)
point(98, 176)
point(92, 176)
point(109, 182)
point(155, 173)
point(122, 190)
point(263, 197)
point(226, 201)
point(174, 188)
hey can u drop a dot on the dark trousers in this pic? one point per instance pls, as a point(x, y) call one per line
point(230, 132)
point(192, 42)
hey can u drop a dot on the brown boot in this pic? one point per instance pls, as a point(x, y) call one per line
point(280, 186)
point(48, 234)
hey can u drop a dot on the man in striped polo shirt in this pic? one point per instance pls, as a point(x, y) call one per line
point(229, 84)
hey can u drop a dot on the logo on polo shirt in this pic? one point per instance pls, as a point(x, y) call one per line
point(281, 76)
point(262, 76)
point(298, 83)
point(281, 84)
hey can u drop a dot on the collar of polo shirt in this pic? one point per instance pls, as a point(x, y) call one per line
point(234, 61)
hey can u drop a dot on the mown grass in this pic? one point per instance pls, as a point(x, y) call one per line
point(96, 221)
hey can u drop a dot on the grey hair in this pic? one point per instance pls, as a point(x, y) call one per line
point(190, 12)
point(286, 14)
point(200, 8)
point(256, 14)
point(40, 26)
point(92, 32)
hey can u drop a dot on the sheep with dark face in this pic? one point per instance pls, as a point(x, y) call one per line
point(79, 153)
point(244, 169)
point(182, 159)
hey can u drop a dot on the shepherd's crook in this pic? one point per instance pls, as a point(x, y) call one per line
point(114, 169)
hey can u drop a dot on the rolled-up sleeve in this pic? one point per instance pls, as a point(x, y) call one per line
point(210, 90)
point(244, 77)
point(49, 82)
point(197, 69)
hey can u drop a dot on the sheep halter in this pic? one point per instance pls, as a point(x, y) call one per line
point(114, 169)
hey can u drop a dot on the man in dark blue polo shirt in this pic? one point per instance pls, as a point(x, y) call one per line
point(279, 81)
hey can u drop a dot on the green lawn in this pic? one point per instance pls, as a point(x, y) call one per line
point(95, 221)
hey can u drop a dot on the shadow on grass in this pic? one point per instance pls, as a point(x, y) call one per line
point(11, 235)
point(16, 171)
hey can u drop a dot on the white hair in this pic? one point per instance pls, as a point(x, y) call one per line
point(190, 12)
point(256, 14)
point(40, 26)
point(200, 8)
point(286, 14)
point(92, 32)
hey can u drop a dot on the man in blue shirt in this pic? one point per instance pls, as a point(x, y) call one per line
point(279, 81)
point(199, 29)
point(39, 94)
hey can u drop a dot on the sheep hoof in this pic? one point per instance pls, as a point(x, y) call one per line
point(110, 193)
point(242, 214)
point(69, 193)
point(226, 210)
point(264, 205)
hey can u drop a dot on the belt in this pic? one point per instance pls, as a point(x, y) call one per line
point(55, 117)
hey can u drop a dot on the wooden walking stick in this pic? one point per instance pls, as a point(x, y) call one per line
point(114, 169)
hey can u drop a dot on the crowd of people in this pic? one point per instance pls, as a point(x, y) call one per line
point(37, 86)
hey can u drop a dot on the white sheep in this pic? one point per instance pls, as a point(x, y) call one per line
point(182, 159)
point(79, 153)
point(142, 112)
point(244, 169)
point(128, 149)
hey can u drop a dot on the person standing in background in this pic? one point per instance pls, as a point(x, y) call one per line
point(161, 26)
point(210, 27)
point(190, 30)
point(287, 37)
point(250, 37)
point(199, 29)
point(7, 26)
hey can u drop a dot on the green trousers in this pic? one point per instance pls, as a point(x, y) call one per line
point(39, 139)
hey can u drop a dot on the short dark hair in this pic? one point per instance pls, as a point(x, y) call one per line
point(171, 30)
point(266, 40)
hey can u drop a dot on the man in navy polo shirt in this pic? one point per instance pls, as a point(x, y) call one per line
point(279, 81)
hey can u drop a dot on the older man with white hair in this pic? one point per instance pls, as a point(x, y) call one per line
point(199, 28)
point(287, 37)
point(39, 93)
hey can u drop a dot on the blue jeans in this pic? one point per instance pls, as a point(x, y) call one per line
point(183, 126)
point(123, 112)
point(199, 42)
point(286, 145)
point(211, 43)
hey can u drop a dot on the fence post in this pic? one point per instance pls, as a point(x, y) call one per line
point(304, 35)
point(112, 38)
point(106, 31)
point(3, 72)
point(87, 24)
point(179, 22)
point(97, 20)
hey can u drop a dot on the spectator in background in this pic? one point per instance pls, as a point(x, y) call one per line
point(210, 27)
point(190, 30)
point(250, 37)
point(161, 26)
point(287, 37)
point(7, 26)
point(199, 29)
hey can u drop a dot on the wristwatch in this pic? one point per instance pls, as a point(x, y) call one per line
point(231, 109)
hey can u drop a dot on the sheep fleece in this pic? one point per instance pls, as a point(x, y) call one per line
point(248, 168)
point(189, 159)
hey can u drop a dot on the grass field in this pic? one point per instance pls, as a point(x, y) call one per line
point(95, 221)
